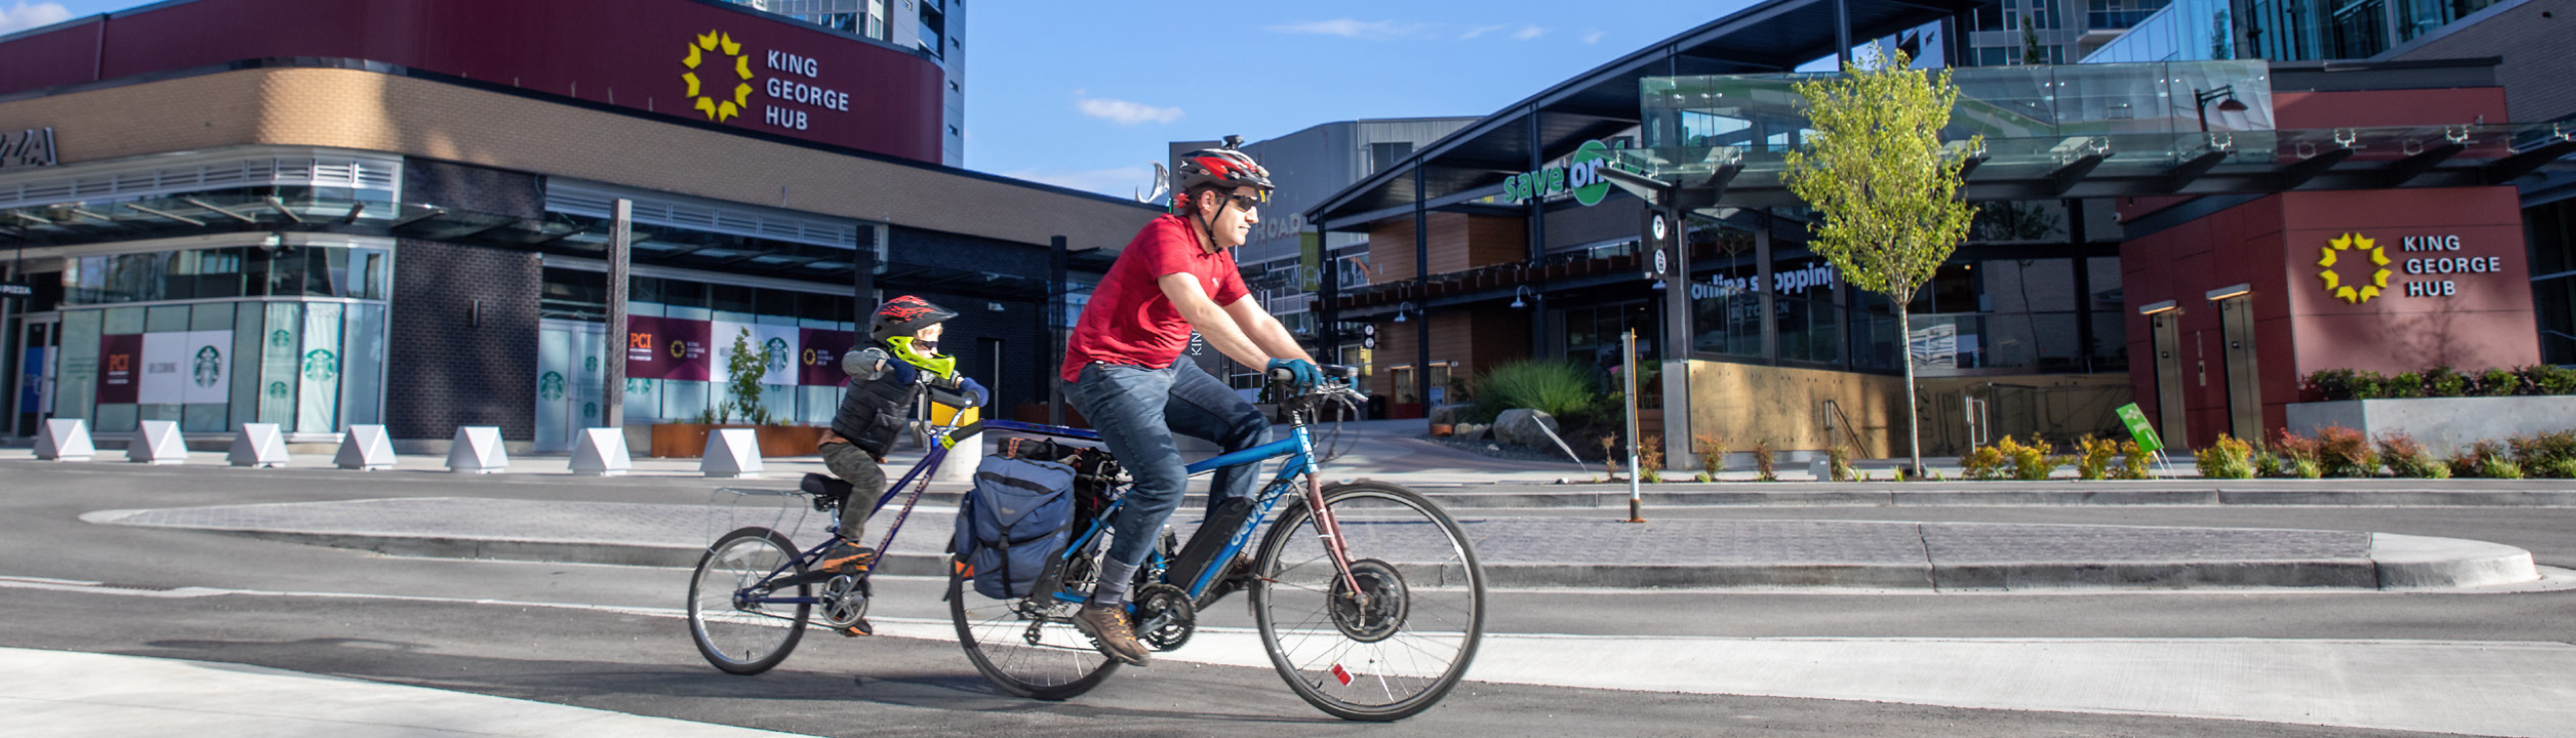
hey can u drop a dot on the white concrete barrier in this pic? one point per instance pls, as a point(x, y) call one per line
point(157, 442)
point(65, 439)
point(962, 459)
point(731, 452)
point(259, 445)
point(365, 448)
point(477, 450)
point(602, 453)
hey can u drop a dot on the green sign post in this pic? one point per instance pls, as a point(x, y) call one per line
point(2136, 420)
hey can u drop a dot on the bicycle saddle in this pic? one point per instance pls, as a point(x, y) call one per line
point(825, 487)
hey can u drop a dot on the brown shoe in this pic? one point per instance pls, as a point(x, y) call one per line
point(1108, 628)
point(847, 558)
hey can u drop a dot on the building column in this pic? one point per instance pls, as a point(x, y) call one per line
point(1421, 283)
point(1537, 255)
point(1762, 286)
point(1677, 339)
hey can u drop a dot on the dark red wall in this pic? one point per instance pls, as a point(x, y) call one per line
point(2273, 244)
point(623, 51)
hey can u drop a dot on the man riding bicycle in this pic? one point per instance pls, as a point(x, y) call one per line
point(1123, 371)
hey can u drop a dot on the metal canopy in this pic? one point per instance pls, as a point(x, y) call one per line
point(1772, 36)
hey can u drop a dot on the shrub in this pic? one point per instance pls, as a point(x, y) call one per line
point(2498, 467)
point(2471, 461)
point(1650, 460)
point(2498, 383)
point(2547, 379)
point(2331, 385)
point(2268, 464)
point(1712, 453)
point(2443, 381)
point(1762, 460)
point(2344, 452)
point(2094, 456)
point(1838, 463)
point(2540, 454)
point(2133, 460)
point(2561, 469)
point(2306, 469)
point(1982, 462)
point(1559, 388)
point(1702, 477)
point(2292, 447)
point(2409, 384)
point(2226, 458)
point(2406, 458)
point(2030, 463)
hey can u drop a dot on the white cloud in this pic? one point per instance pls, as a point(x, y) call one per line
point(1528, 32)
point(1482, 30)
point(1123, 112)
point(1594, 37)
point(24, 16)
point(1350, 28)
point(1114, 181)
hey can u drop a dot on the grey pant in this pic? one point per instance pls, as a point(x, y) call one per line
point(867, 481)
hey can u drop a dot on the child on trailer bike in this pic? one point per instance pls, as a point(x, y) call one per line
point(888, 375)
point(1122, 371)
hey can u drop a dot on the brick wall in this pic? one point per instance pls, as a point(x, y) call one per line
point(442, 369)
point(2539, 58)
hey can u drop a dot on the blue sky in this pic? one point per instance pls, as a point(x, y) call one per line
point(1087, 94)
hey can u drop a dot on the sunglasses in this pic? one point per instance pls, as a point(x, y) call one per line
point(1247, 202)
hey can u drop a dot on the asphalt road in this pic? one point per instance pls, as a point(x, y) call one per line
point(602, 637)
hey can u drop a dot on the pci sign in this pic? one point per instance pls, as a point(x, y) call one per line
point(719, 81)
point(1580, 175)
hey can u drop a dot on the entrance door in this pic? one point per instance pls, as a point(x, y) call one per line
point(568, 381)
point(2244, 394)
point(2169, 390)
point(32, 398)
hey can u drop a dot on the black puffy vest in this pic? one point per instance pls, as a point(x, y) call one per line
point(874, 411)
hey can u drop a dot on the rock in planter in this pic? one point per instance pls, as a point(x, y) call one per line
point(1522, 426)
point(1473, 432)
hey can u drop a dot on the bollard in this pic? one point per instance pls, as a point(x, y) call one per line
point(602, 453)
point(365, 448)
point(477, 450)
point(157, 442)
point(65, 439)
point(731, 452)
point(259, 445)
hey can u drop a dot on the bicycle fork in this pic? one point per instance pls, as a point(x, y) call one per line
point(1329, 530)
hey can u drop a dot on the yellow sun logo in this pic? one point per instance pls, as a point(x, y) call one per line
point(717, 108)
point(2356, 293)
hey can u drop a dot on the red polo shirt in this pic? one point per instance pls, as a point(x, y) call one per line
point(1129, 320)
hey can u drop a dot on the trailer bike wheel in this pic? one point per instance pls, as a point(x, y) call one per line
point(736, 633)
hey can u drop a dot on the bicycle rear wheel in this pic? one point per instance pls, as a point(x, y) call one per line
point(751, 637)
point(1400, 649)
point(1025, 649)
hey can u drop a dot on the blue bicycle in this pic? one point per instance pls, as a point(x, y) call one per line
point(1367, 596)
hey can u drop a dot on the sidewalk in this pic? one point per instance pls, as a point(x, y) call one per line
point(1514, 551)
point(62, 693)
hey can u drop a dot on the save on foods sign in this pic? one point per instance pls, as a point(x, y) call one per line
point(1580, 175)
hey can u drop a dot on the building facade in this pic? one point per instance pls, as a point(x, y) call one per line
point(389, 216)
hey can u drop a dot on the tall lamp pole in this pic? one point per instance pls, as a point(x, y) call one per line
point(2200, 103)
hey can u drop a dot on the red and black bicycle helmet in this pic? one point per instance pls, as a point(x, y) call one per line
point(902, 316)
point(1223, 168)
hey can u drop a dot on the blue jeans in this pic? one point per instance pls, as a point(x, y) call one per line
point(1136, 410)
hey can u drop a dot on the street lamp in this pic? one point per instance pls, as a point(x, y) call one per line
point(2200, 102)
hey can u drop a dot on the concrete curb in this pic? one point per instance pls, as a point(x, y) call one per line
point(1652, 496)
point(2397, 562)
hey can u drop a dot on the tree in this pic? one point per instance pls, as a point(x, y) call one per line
point(1876, 169)
point(2031, 51)
point(745, 368)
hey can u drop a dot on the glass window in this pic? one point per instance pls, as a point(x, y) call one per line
point(2025, 285)
point(165, 319)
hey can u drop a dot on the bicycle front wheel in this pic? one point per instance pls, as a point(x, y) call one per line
point(738, 636)
point(1398, 642)
point(1026, 649)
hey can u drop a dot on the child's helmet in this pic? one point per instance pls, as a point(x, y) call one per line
point(902, 316)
